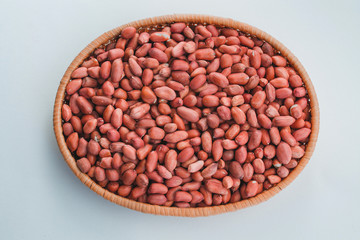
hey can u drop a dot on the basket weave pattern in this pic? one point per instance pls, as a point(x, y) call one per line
point(174, 211)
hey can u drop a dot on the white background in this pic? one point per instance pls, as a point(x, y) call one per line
point(40, 198)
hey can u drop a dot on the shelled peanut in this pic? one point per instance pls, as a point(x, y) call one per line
point(186, 116)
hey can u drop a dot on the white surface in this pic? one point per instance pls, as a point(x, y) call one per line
point(40, 197)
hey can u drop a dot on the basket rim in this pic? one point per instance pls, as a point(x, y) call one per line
point(174, 211)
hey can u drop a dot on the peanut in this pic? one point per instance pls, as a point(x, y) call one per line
point(186, 116)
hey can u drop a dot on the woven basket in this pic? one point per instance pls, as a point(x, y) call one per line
point(174, 211)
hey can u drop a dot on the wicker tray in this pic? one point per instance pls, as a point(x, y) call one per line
point(174, 211)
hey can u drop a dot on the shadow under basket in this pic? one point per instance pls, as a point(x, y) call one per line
point(174, 211)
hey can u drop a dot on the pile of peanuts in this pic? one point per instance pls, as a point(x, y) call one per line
point(186, 115)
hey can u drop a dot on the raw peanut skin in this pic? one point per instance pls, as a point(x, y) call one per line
point(219, 79)
point(157, 188)
point(259, 166)
point(248, 172)
point(156, 199)
point(165, 93)
point(128, 32)
point(301, 134)
point(297, 152)
point(283, 153)
point(238, 115)
point(73, 141)
point(176, 136)
point(186, 116)
point(84, 105)
point(174, 181)
point(124, 190)
point(255, 140)
point(205, 54)
point(66, 112)
point(90, 126)
point(283, 121)
point(215, 186)
point(251, 189)
point(182, 196)
point(236, 170)
point(83, 164)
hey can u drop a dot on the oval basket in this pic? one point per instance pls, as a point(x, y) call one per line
point(174, 211)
